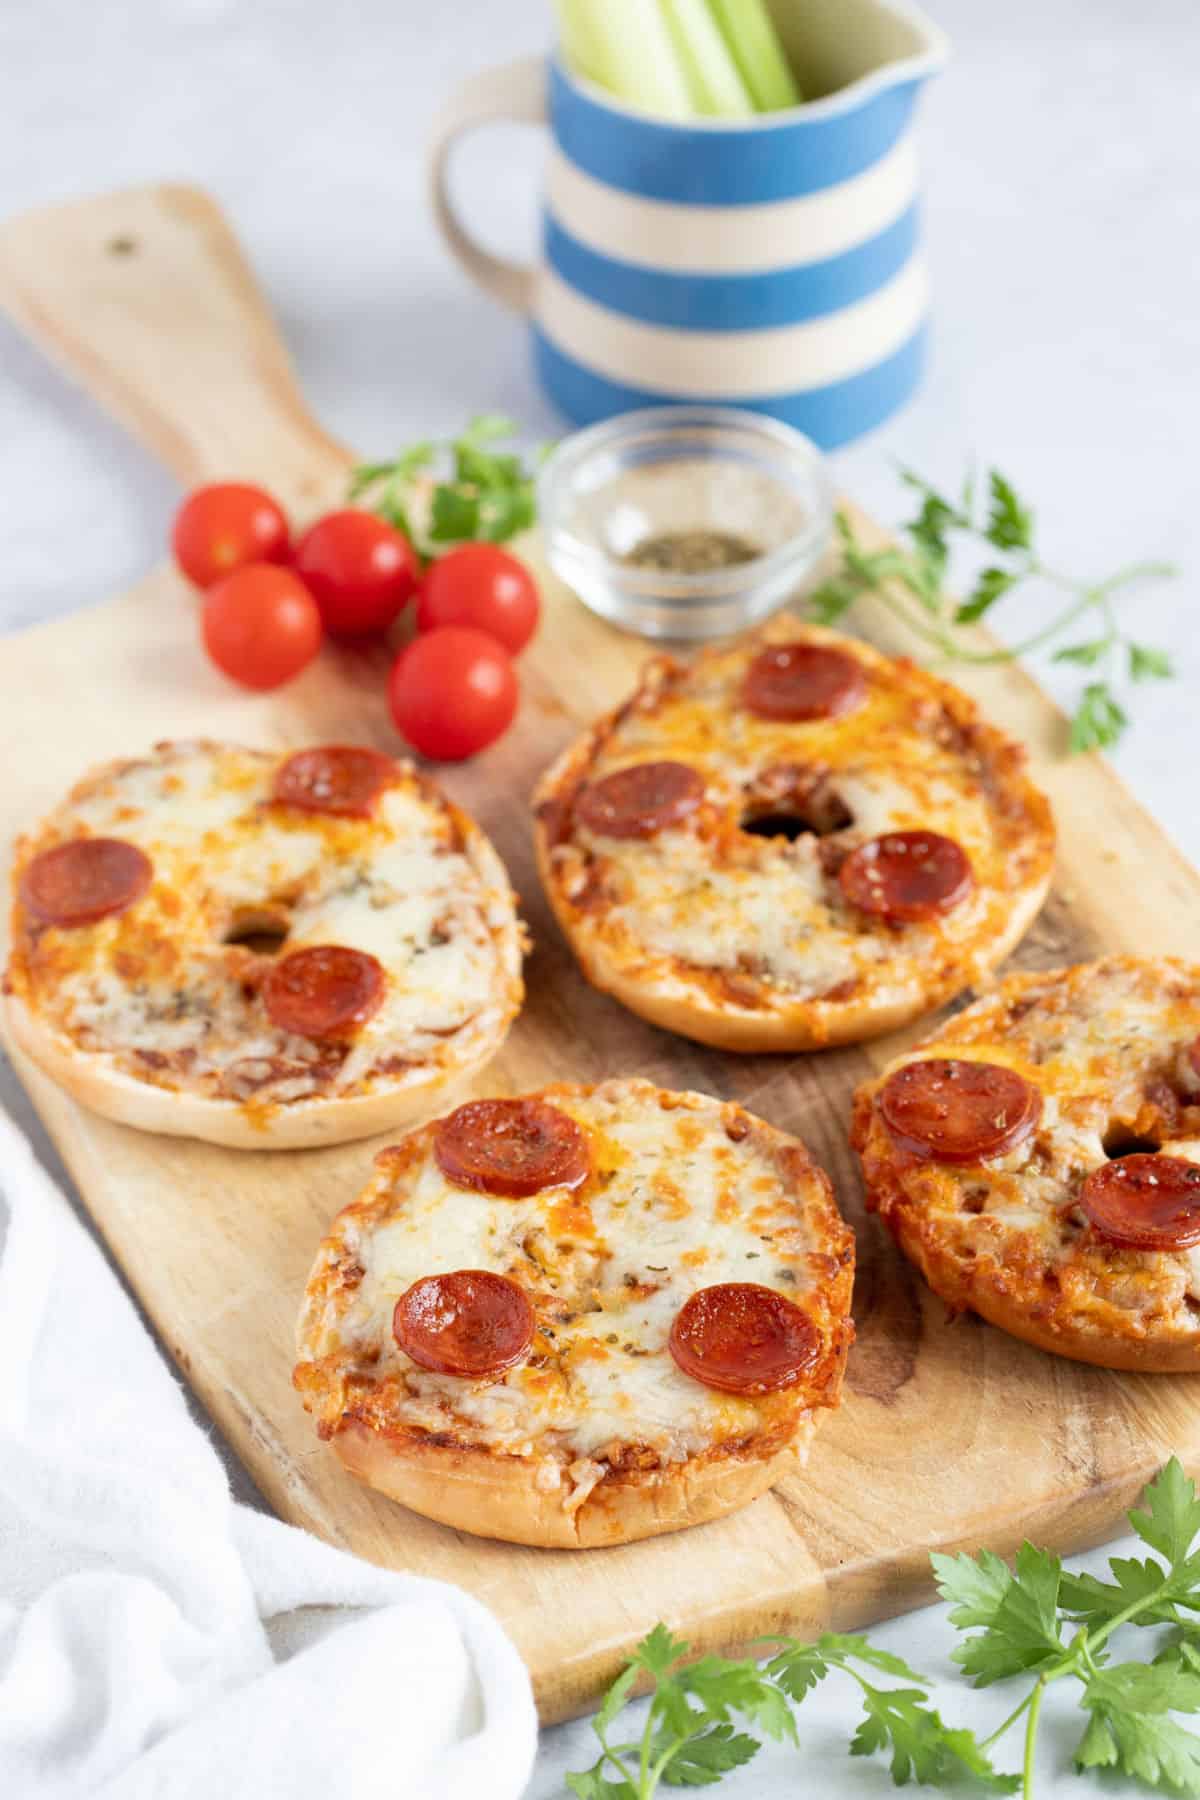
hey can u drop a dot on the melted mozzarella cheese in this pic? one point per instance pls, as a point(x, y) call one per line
point(672, 1205)
point(1102, 1043)
point(161, 979)
point(767, 906)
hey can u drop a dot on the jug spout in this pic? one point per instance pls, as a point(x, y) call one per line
point(846, 51)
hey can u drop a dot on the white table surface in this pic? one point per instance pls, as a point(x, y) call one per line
point(1063, 213)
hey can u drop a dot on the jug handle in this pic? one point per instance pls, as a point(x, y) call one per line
point(515, 93)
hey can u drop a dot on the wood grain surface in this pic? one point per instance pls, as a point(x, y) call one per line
point(951, 1434)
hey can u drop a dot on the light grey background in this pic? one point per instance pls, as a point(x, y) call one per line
point(1063, 213)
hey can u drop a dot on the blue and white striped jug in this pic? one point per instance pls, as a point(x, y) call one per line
point(772, 263)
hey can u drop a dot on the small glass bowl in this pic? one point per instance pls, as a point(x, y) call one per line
point(678, 469)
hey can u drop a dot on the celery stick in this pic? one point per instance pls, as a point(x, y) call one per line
point(625, 46)
point(579, 53)
point(749, 31)
point(711, 73)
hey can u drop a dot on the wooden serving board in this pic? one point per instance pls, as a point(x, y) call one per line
point(951, 1434)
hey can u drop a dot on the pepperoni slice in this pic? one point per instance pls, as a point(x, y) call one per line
point(803, 681)
point(957, 1111)
point(744, 1339)
point(907, 875)
point(511, 1147)
point(325, 992)
point(84, 880)
point(333, 778)
point(638, 801)
point(469, 1323)
point(1145, 1202)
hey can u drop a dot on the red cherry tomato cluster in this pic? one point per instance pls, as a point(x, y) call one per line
point(268, 604)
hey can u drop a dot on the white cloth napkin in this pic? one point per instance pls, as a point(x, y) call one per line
point(156, 1639)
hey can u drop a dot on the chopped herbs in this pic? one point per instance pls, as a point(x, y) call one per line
point(695, 552)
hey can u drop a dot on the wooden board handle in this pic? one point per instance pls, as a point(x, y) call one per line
point(145, 296)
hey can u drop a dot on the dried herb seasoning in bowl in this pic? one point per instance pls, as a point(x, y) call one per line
point(686, 522)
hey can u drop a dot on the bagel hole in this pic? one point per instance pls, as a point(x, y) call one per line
point(820, 817)
point(1118, 1140)
point(792, 800)
point(259, 929)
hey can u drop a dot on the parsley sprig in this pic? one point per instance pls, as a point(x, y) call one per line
point(1033, 1620)
point(690, 1737)
point(1023, 1614)
point(463, 490)
point(910, 580)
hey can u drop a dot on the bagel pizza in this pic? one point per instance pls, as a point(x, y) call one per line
point(580, 1317)
point(1039, 1160)
point(261, 949)
point(791, 841)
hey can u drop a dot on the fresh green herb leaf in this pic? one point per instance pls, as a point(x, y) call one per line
point(723, 1687)
point(1145, 1688)
point(937, 512)
point(1099, 719)
point(923, 1748)
point(591, 1784)
point(1093, 1602)
point(1182, 1647)
point(1087, 655)
point(1149, 1747)
point(1010, 523)
point(1019, 1618)
point(846, 1646)
point(1148, 664)
point(898, 575)
point(798, 1669)
point(659, 1650)
point(991, 585)
point(454, 516)
point(617, 1696)
point(482, 493)
point(485, 428)
point(1170, 1519)
point(704, 1759)
point(975, 1585)
point(833, 599)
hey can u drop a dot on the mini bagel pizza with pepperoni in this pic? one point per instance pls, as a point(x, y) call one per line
point(1039, 1160)
point(263, 949)
point(580, 1317)
point(791, 841)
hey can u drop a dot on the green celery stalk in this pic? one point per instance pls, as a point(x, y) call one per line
point(750, 33)
point(625, 46)
point(711, 73)
point(579, 52)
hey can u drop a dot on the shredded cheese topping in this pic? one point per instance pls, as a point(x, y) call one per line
point(167, 993)
point(708, 895)
point(683, 1193)
point(1103, 1043)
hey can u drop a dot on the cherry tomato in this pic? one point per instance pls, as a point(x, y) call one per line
point(221, 528)
point(483, 586)
point(361, 571)
point(261, 625)
point(452, 692)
